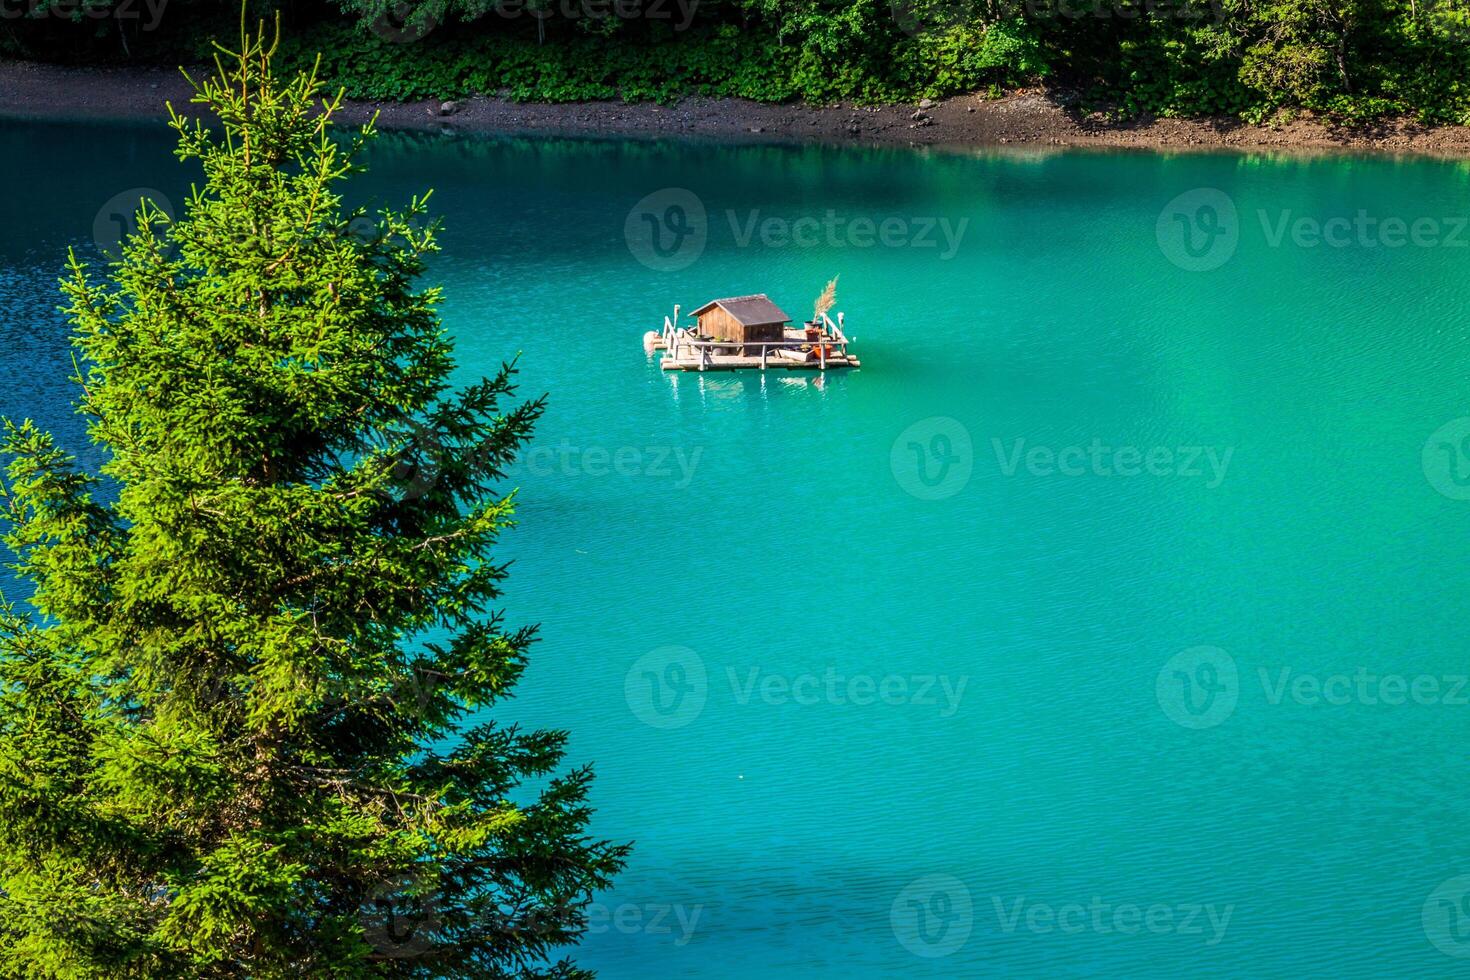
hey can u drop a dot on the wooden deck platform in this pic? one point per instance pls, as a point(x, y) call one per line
point(684, 352)
point(732, 362)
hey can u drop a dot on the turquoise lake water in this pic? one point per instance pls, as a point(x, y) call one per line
point(1108, 622)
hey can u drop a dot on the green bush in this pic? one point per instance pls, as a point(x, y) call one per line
point(1352, 59)
point(717, 61)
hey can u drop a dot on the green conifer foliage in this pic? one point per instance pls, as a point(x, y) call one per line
point(241, 727)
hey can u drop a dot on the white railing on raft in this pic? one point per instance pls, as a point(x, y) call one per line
point(676, 337)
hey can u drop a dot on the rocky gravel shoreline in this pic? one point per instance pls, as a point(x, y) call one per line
point(1023, 118)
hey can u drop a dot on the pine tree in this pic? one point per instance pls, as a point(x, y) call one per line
point(241, 723)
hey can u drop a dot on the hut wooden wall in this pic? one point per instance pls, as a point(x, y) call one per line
point(722, 326)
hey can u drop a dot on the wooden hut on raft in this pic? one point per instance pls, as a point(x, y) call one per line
point(745, 320)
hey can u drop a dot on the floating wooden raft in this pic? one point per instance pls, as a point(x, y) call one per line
point(684, 350)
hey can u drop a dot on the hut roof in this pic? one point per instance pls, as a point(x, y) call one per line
point(747, 309)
